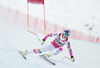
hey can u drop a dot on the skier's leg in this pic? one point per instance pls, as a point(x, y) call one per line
point(34, 51)
point(56, 51)
point(42, 49)
point(48, 47)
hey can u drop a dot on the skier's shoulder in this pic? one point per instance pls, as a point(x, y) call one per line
point(55, 34)
point(59, 34)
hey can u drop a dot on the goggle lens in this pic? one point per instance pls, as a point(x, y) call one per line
point(66, 34)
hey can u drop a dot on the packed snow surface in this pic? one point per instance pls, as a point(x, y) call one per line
point(12, 39)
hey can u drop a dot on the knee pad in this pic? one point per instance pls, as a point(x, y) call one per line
point(37, 51)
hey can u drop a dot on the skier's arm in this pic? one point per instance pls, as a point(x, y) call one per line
point(70, 51)
point(69, 48)
point(48, 35)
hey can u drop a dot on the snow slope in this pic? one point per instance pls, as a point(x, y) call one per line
point(12, 38)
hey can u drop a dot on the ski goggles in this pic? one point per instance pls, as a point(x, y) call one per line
point(66, 34)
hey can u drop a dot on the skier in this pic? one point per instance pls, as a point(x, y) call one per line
point(55, 46)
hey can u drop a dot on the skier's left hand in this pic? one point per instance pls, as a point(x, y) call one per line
point(72, 58)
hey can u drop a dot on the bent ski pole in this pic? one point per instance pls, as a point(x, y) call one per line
point(66, 57)
point(35, 34)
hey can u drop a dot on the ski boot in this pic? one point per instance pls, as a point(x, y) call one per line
point(24, 52)
point(46, 55)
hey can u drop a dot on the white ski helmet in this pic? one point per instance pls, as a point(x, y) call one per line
point(66, 32)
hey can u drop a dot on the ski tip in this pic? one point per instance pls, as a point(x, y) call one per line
point(25, 58)
point(22, 54)
point(54, 64)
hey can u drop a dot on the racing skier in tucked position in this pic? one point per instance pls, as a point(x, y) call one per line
point(55, 46)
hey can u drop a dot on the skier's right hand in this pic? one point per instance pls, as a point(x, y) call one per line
point(42, 41)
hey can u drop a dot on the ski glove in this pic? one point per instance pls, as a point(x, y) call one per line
point(42, 41)
point(72, 58)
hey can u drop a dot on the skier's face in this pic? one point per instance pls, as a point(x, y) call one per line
point(64, 36)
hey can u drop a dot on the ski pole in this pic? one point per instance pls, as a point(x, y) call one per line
point(35, 34)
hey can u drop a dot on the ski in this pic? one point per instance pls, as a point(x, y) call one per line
point(22, 55)
point(42, 56)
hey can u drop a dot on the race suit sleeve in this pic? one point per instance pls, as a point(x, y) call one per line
point(69, 48)
point(50, 35)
